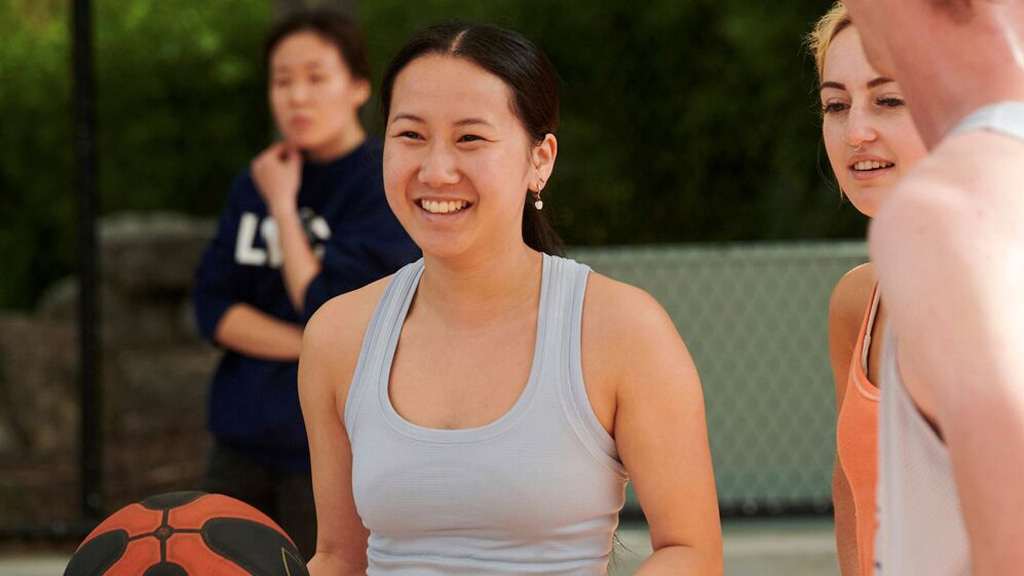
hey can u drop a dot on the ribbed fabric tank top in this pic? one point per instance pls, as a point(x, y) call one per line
point(920, 527)
point(537, 491)
point(857, 440)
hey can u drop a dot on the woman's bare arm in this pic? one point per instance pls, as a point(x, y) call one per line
point(330, 350)
point(252, 332)
point(659, 426)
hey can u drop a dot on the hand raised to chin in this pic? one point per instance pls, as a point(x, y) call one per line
point(277, 173)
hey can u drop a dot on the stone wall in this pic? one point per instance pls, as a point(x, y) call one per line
point(154, 375)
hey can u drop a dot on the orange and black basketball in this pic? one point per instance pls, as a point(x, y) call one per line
point(187, 534)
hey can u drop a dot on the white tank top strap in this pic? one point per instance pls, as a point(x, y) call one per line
point(1006, 118)
point(393, 304)
point(575, 399)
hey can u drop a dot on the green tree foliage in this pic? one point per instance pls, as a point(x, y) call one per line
point(36, 206)
point(682, 121)
point(180, 106)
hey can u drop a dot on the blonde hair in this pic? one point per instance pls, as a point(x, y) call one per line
point(825, 30)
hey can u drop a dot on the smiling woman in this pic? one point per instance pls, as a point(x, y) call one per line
point(871, 143)
point(531, 92)
point(427, 153)
point(481, 411)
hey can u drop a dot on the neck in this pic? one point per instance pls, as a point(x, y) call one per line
point(482, 289)
point(981, 66)
point(347, 141)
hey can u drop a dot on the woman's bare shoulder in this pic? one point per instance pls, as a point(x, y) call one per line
point(334, 335)
point(622, 308)
point(629, 331)
point(851, 296)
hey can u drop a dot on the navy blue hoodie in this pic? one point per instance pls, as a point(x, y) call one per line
point(254, 403)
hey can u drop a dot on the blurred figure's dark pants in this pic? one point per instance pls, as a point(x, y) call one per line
point(287, 497)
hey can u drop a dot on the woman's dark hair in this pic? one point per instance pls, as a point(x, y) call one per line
point(526, 71)
point(333, 27)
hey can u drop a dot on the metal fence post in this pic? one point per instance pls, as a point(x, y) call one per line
point(85, 161)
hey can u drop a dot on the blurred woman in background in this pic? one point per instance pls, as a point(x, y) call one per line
point(871, 142)
point(306, 221)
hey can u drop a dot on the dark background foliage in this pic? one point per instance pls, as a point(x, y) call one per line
point(683, 121)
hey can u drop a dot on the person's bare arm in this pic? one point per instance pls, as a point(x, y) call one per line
point(659, 426)
point(949, 252)
point(300, 264)
point(249, 331)
point(847, 306)
point(277, 173)
point(330, 351)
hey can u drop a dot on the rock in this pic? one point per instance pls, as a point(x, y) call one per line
point(59, 302)
point(10, 446)
point(154, 373)
point(38, 367)
point(152, 253)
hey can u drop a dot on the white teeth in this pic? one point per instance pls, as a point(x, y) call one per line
point(871, 165)
point(435, 207)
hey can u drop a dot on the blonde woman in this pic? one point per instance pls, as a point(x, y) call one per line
point(871, 143)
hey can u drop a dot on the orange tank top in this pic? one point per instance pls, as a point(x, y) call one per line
point(857, 440)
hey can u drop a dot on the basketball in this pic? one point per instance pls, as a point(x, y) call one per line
point(187, 534)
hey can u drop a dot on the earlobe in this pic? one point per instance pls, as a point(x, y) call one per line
point(363, 91)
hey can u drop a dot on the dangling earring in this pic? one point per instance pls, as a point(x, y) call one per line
point(538, 203)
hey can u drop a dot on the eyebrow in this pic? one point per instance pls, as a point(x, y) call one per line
point(310, 65)
point(463, 122)
point(407, 117)
point(472, 122)
point(873, 84)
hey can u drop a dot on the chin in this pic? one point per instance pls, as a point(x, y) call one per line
point(305, 141)
point(867, 201)
point(441, 246)
point(304, 144)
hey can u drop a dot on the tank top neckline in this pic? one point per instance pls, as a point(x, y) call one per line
point(865, 387)
point(1006, 118)
point(463, 435)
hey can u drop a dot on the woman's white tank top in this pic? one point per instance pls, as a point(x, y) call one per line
point(537, 491)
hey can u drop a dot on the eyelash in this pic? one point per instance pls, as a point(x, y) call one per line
point(833, 108)
point(836, 107)
point(468, 138)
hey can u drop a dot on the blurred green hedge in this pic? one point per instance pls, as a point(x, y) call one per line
point(681, 121)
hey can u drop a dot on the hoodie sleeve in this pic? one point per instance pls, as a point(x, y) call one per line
point(368, 245)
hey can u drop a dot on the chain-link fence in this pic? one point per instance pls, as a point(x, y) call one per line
point(754, 317)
